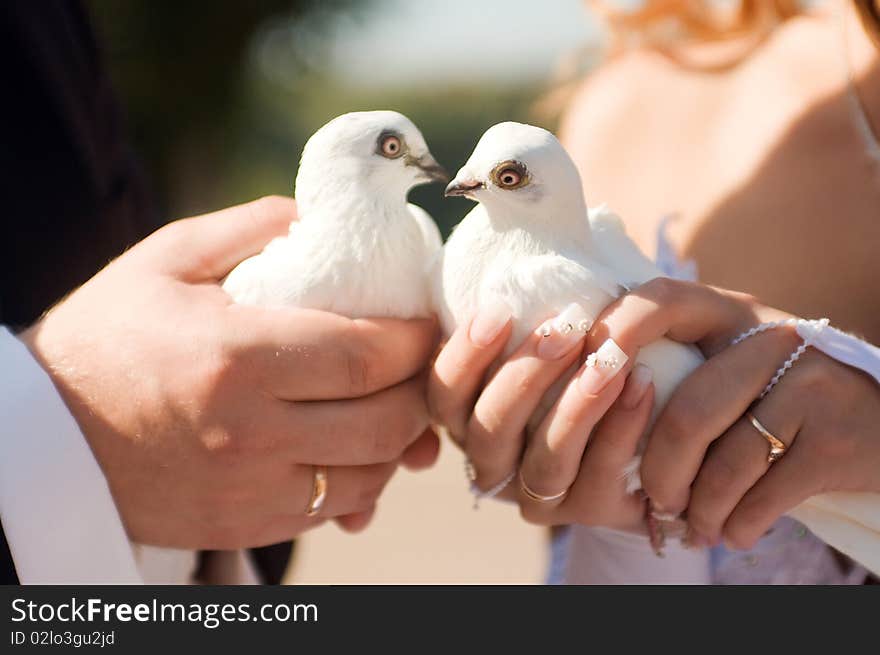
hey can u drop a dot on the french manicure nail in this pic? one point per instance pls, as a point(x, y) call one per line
point(488, 323)
point(636, 386)
point(601, 366)
point(559, 335)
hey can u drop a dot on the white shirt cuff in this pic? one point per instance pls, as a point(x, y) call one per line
point(59, 518)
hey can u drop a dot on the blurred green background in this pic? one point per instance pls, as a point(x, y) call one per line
point(221, 96)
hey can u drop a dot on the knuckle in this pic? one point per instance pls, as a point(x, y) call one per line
point(443, 406)
point(531, 514)
point(678, 421)
point(220, 444)
point(742, 297)
point(701, 519)
point(219, 368)
point(524, 381)
point(721, 473)
point(272, 205)
point(436, 400)
point(813, 379)
point(661, 290)
point(484, 434)
point(358, 366)
point(385, 446)
point(389, 442)
point(543, 472)
point(174, 235)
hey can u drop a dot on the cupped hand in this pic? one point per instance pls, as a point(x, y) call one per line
point(704, 457)
point(208, 417)
point(574, 450)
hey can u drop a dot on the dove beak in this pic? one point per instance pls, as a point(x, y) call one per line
point(431, 169)
point(462, 188)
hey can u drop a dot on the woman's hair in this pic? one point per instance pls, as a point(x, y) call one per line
point(869, 12)
point(671, 25)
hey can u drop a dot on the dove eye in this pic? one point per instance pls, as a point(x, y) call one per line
point(510, 175)
point(390, 146)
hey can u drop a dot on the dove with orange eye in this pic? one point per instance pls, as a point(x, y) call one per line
point(392, 145)
point(357, 248)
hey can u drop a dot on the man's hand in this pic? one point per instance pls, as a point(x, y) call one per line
point(206, 416)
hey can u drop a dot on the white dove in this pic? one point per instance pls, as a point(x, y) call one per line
point(358, 249)
point(531, 243)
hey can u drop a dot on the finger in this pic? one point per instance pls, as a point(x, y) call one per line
point(207, 247)
point(357, 522)
point(600, 485)
point(369, 430)
point(702, 408)
point(553, 455)
point(302, 354)
point(350, 489)
point(789, 482)
point(736, 462)
point(460, 368)
point(423, 452)
point(682, 311)
point(615, 440)
point(495, 432)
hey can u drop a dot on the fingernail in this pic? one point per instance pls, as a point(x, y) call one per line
point(636, 386)
point(601, 367)
point(559, 335)
point(488, 323)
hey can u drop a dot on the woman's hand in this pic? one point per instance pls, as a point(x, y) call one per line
point(490, 419)
point(703, 455)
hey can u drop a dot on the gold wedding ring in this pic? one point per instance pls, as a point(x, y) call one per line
point(319, 491)
point(777, 448)
point(536, 496)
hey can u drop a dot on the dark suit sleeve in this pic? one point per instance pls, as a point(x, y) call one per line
point(74, 195)
point(7, 567)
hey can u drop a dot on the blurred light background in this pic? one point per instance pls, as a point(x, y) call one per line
point(220, 99)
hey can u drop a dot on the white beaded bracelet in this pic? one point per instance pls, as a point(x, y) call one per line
point(808, 330)
point(478, 493)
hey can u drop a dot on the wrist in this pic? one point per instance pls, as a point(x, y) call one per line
point(34, 339)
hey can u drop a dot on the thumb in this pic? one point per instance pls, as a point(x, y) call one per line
point(207, 247)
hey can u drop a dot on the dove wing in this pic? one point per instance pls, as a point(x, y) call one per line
point(537, 287)
point(618, 251)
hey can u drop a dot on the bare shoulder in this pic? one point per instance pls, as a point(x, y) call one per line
point(641, 89)
point(802, 56)
point(607, 98)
